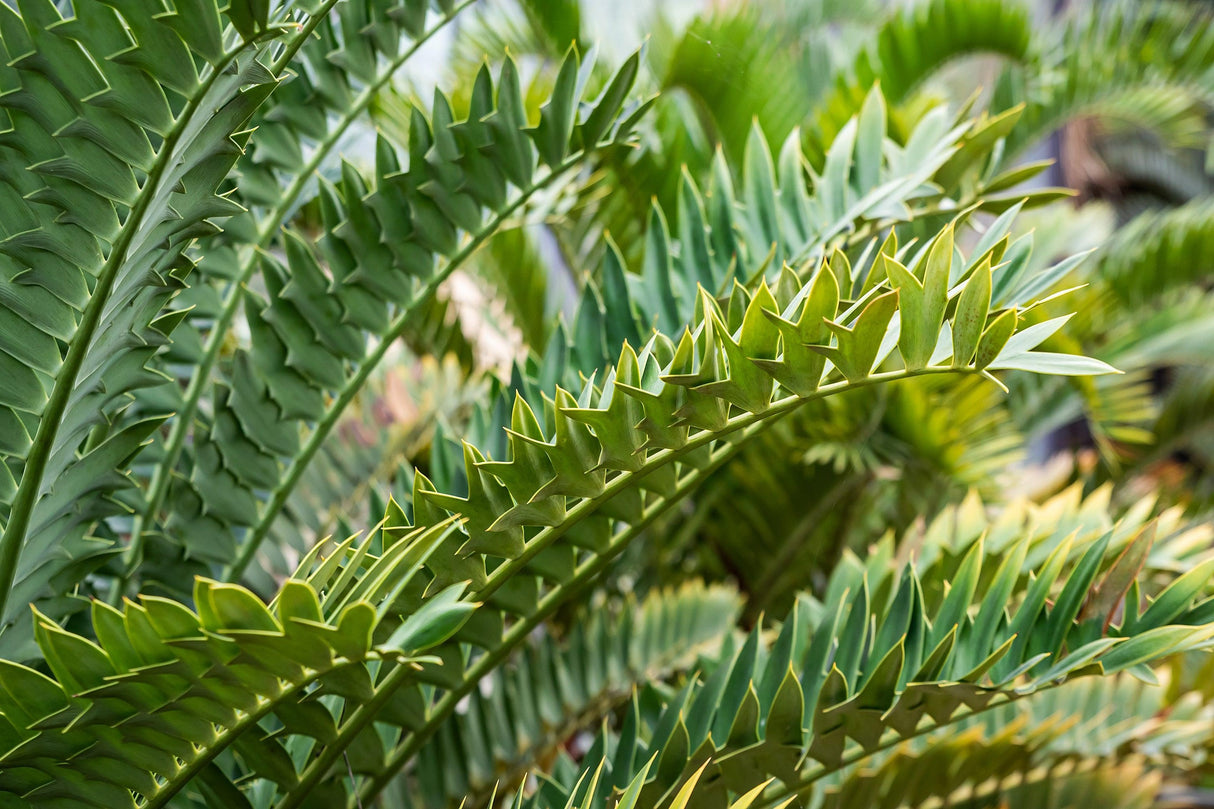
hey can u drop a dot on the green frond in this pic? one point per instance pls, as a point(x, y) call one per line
point(706, 108)
point(549, 465)
point(1137, 64)
point(241, 272)
point(664, 287)
point(262, 681)
point(730, 69)
point(186, 685)
point(740, 230)
point(526, 28)
point(892, 653)
point(119, 124)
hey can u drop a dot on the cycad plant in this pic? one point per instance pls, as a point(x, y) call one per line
point(208, 263)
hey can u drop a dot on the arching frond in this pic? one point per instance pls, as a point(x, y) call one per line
point(892, 653)
point(120, 121)
point(186, 685)
point(725, 236)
